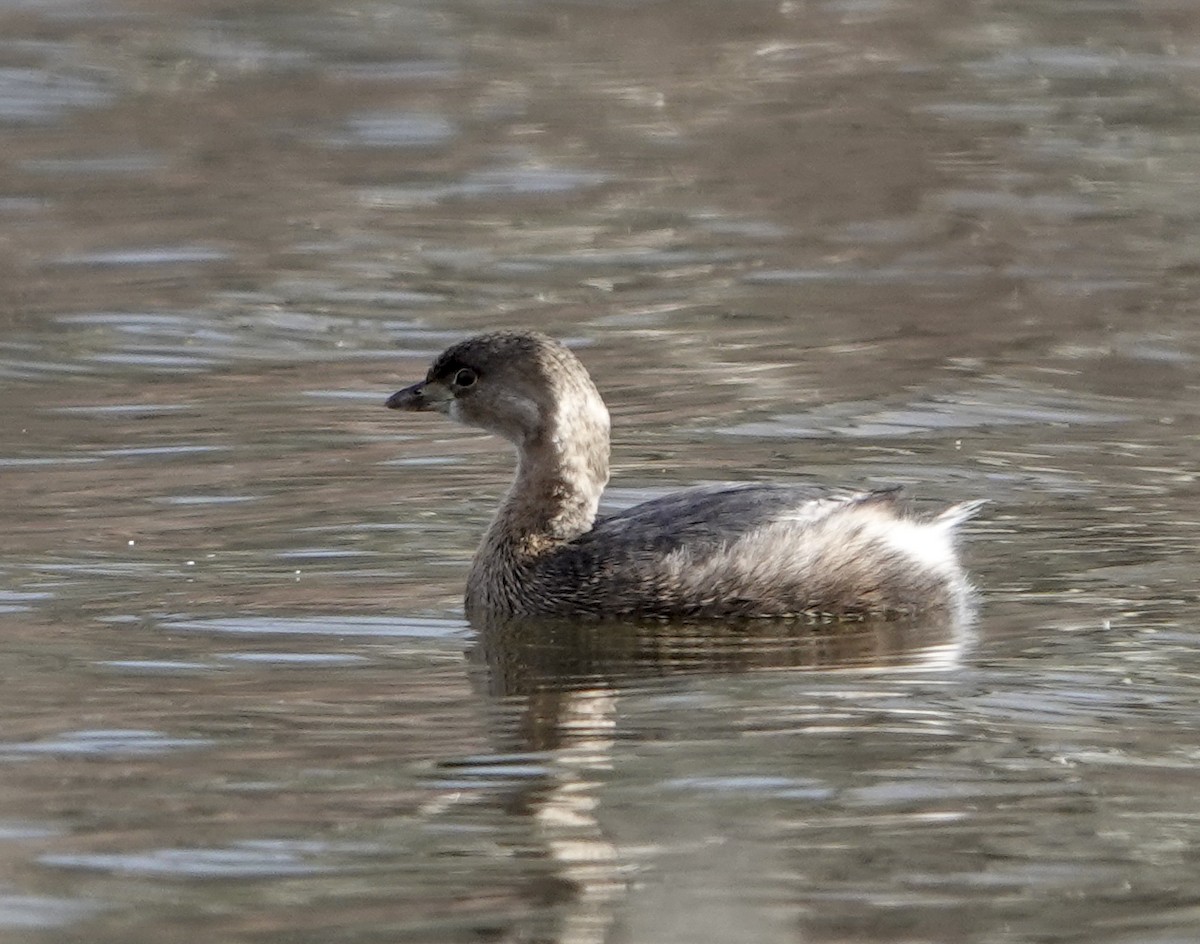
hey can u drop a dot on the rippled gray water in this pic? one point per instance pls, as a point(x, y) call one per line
point(950, 246)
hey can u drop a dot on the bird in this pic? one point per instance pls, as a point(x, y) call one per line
point(710, 553)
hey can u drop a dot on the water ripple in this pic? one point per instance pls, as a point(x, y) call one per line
point(334, 625)
point(112, 742)
point(32, 912)
point(234, 862)
point(150, 256)
point(395, 130)
point(978, 409)
point(36, 96)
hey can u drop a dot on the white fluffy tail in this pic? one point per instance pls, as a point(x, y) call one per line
point(955, 515)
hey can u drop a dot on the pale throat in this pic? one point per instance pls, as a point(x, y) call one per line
point(561, 473)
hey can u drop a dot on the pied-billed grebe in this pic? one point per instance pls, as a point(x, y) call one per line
point(707, 553)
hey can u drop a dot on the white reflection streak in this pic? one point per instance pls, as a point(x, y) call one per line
point(567, 816)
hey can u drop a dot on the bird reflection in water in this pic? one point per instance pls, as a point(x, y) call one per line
point(554, 690)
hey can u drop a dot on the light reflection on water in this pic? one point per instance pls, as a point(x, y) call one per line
point(948, 247)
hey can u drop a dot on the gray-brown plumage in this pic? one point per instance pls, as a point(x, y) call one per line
point(708, 553)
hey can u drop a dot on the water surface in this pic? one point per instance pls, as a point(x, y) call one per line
point(946, 246)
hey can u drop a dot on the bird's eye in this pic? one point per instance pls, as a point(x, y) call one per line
point(464, 378)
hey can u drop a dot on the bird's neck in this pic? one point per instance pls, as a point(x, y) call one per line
point(562, 468)
point(561, 472)
point(554, 495)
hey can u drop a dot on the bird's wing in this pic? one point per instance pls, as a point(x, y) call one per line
point(708, 518)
